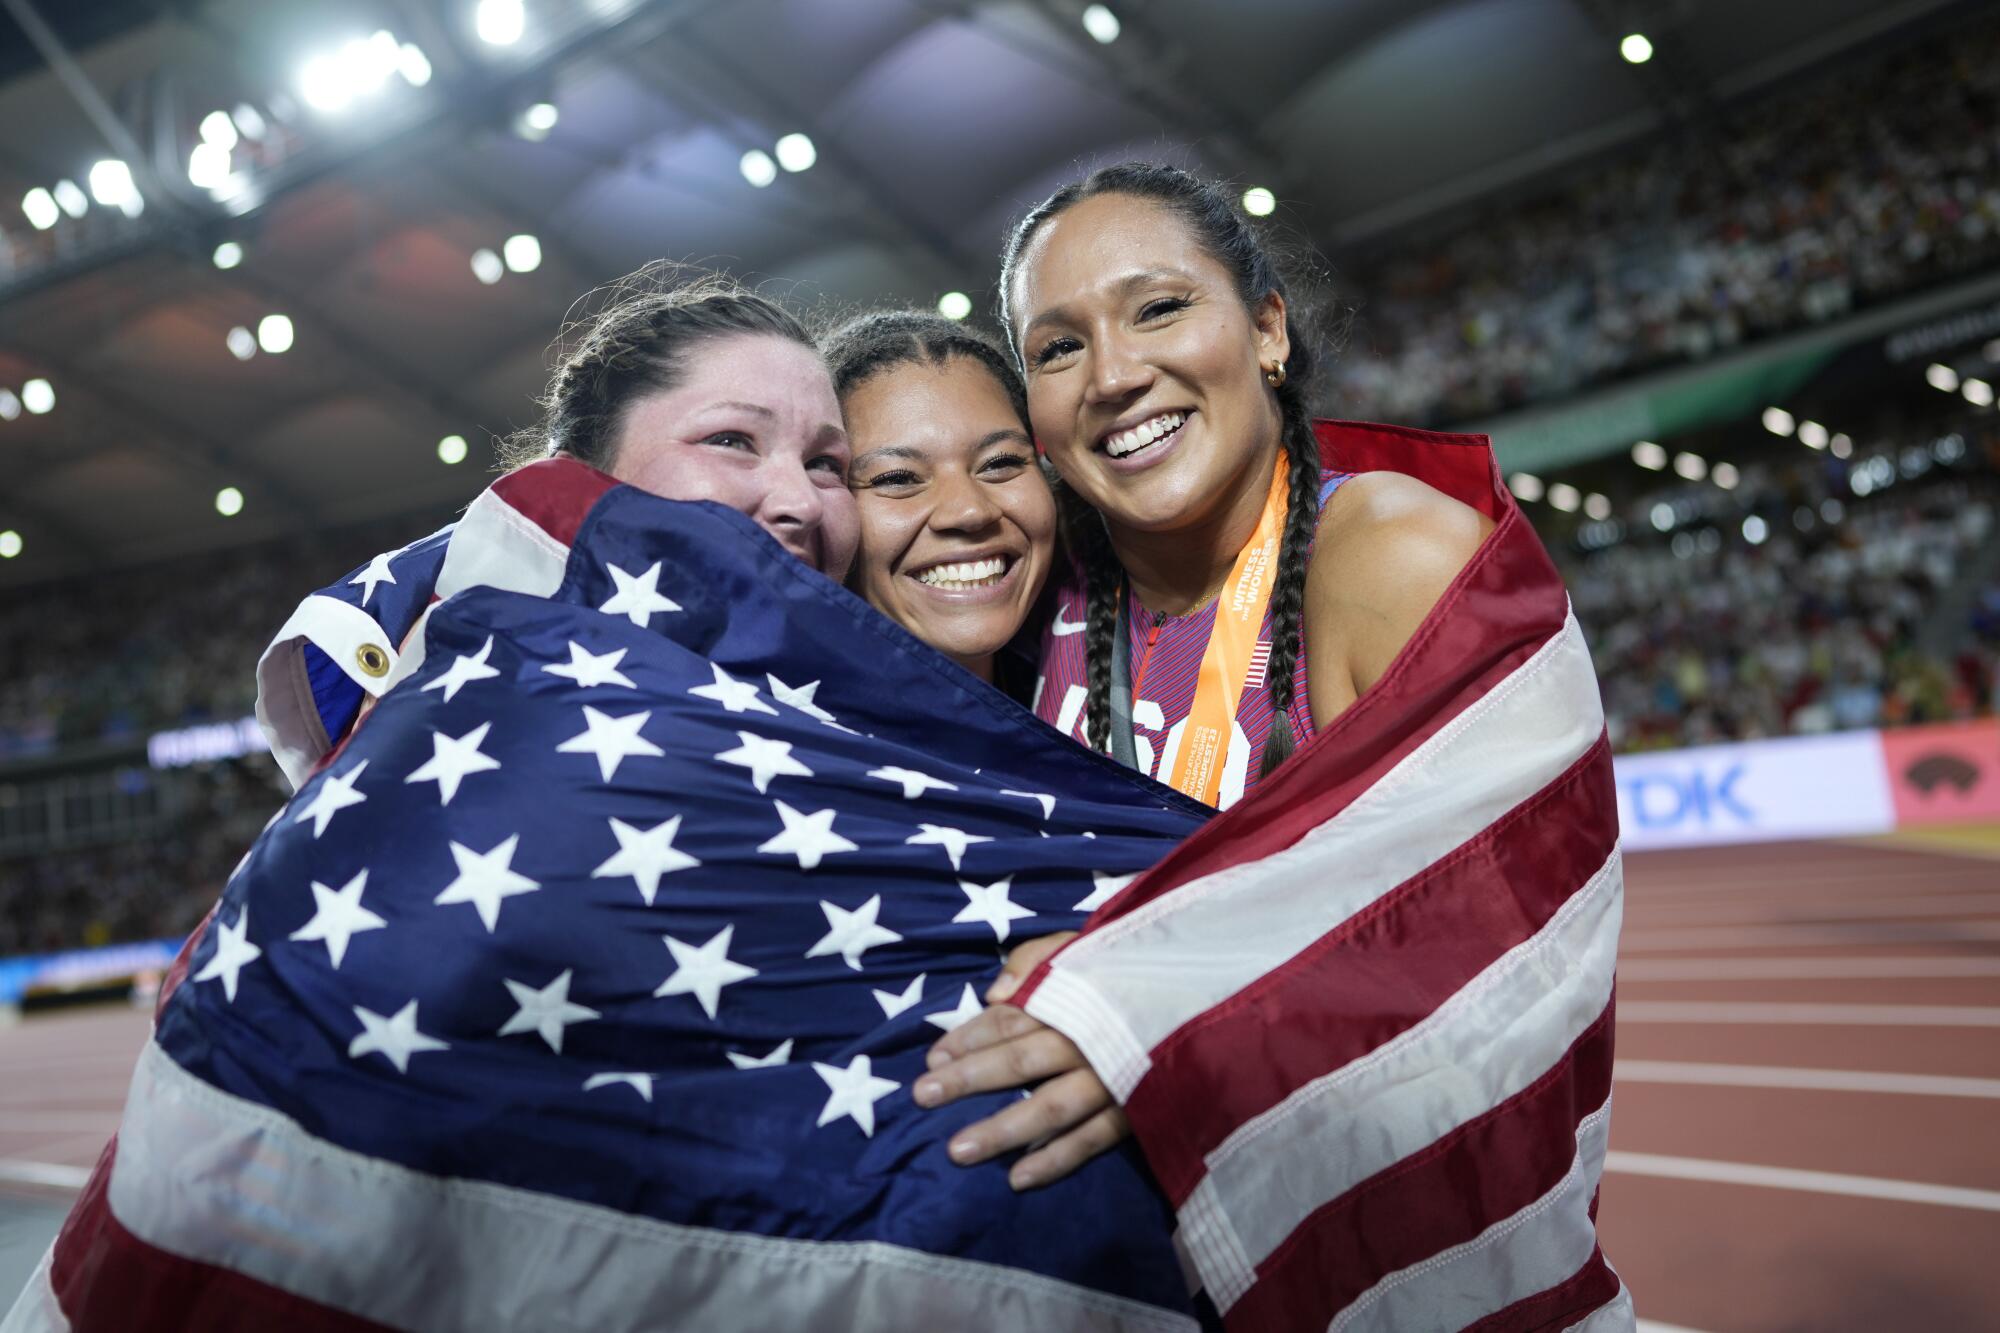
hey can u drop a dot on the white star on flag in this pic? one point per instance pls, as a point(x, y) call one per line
point(335, 794)
point(546, 1011)
point(954, 841)
point(484, 878)
point(645, 855)
point(378, 571)
point(851, 934)
point(1106, 887)
point(639, 1083)
point(467, 668)
point(968, 1009)
point(801, 698)
point(590, 670)
point(453, 759)
point(913, 783)
point(703, 972)
point(990, 904)
point(809, 837)
point(765, 758)
point(894, 1004)
point(638, 597)
point(338, 917)
point(233, 953)
point(612, 739)
point(853, 1092)
point(1048, 802)
point(738, 696)
point(395, 1037)
point(781, 1054)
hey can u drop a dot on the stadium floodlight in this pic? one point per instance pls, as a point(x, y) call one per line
point(242, 343)
point(1942, 378)
point(1725, 475)
point(1755, 530)
point(1597, 506)
point(1101, 24)
point(229, 502)
point(413, 65)
point(71, 198)
point(1692, 466)
point(10, 405)
point(1841, 445)
point(1663, 516)
point(523, 253)
point(541, 117)
point(38, 396)
point(1977, 392)
point(1649, 456)
point(229, 254)
point(452, 449)
point(796, 152)
point(954, 305)
point(249, 121)
point(486, 266)
point(1812, 435)
point(323, 83)
point(10, 544)
point(111, 183)
point(1637, 48)
point(274, 334)
point(1565, 497)
point(758, 168)
point(1259, 202)
point(1526, 486)
point(217, 128)
point(208, 165)
point(40, 206)
point(1778, 421)
point(499, 22)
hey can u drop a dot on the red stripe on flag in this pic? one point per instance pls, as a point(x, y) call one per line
point(554, 494)
point(1375, 976)
point(1423, 1205)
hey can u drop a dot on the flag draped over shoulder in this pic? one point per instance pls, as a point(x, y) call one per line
point(1362, 1023)
point(582, 986)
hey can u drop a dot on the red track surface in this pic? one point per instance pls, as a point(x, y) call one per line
point(1733, 959)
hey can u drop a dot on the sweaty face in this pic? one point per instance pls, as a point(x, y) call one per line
point(753, 425)
point(957, 524)
point(1145, 370)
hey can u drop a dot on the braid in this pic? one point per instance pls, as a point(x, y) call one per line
point(1288, 591)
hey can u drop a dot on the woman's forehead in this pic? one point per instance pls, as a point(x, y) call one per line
point(923, 405)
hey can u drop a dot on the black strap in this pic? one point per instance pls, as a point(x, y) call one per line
point(1122, 748)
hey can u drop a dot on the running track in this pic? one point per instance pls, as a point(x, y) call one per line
point(1807, 1133)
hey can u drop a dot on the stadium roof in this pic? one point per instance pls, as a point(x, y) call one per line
point(930, 124)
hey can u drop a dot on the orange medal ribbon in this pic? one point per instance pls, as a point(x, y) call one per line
point(1239, 615)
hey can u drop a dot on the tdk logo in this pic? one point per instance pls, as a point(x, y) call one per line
point(1670, 800)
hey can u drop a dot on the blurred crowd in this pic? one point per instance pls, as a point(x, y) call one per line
point(1865, 183)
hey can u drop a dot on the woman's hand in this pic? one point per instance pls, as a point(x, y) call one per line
point(1071, 1115)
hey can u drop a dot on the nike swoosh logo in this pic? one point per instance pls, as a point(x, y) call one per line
point(1064, 628)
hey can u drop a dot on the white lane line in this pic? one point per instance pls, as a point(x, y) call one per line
point(36, 1121)
point(1787, 969)
point(1852, 934)
point(1958, 906)
point(1832, 1015)
point(1786, 1178)
point(1819, 1080)
point(1655, 1326)
point(43, 1173)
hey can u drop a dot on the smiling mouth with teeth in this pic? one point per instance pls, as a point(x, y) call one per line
point(964, 574)
point(1144, 435)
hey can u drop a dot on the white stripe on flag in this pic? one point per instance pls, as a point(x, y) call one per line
point(1537, 1248)
point(36, 1311)
point(1117, 992)
point(1505, 1029)
point(211, 1177)
point(285, 707)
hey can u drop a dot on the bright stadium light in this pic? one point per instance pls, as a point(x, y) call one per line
point(452, 449)
point(954, 305)
point(71, 197)
point(1526, 486)
point(1778, 421)
point(111, 183)
point(274, 334)
point(1812, 435)
point(217, 128)
point(1637, 48)
point(38, 396)
point(229, 502)
point(1841, 445)
point(1596, 506)
point(323, 83)
point(413, 65)
point(1755, 530)
point(208, 165)
point(229, 254)
point(758, 168)
point(242, 343)
point(499, 22)
point(10, 544)
point(487, 267)
point(249, 121)
point(523, 253)
point(1691, 466)
point(1259, 202)
point(1649, 456)
point(1942, 378)
point(1663, 516)
point(1725, 475)
point(1565, 497)
point(796, 152)
point(1977, 392)
point(1101, 24)
point(10, 405)
point(40, 206)
point(541, 117)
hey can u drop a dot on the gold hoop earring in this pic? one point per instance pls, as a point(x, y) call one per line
point(1275, 377)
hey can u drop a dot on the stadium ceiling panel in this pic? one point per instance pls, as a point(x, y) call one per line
point(373, 160)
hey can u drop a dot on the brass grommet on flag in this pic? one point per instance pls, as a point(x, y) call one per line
point(373, 659)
